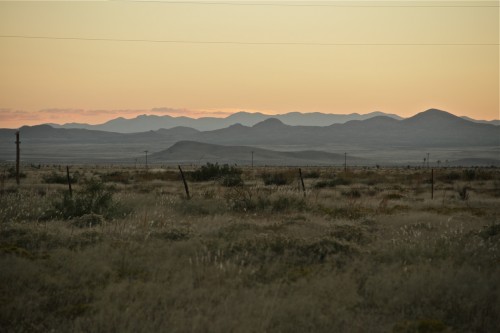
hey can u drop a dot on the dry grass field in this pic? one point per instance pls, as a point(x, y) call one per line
point(365, 250)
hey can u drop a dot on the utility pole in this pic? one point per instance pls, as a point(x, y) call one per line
point(18, 156)
point(432, 183)
point(427, 160)
point(252, 159)
point(146, 159)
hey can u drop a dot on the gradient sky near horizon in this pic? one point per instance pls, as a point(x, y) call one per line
point(398, 57)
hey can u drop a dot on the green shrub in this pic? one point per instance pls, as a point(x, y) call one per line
point(87, 220)
point(174, 234)
point(58, 178)
point(479, 174)
point(449, 177)
point(469, 174)
point(350, 233)
point(287, 203)
point(240, 199)
point(463, 193)
point(200, 207)
point(212, 171)
point(420, 326)
point(165, 175)
point(116, 177)
point(277, 178)
point(94, 198)
point(232, 180)
point(11, 173)
point(393, 196)
point(352, 193)
point(490, 231)
point(311, 174)
point(351, 212)
point(333, 182)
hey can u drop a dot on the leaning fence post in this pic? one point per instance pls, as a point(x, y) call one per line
point(69, 182)
point(185, 183)
point(302, 182)
point(18, 153)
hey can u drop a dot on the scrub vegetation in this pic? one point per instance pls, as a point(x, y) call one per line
point(365, 250)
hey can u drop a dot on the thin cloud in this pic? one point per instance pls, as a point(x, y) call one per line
point(170, 111)
point(60, 111)
point(10, 115)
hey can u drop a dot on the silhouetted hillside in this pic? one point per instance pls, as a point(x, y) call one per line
point(429, 128)
point(197, 152)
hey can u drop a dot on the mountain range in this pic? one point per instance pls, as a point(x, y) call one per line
point(153, 123)
point(433, 128)
point(145, 123)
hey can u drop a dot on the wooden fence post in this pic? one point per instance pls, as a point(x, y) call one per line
point(185, 183)
point(69, 182)
point(345, 162)
point(302, 182)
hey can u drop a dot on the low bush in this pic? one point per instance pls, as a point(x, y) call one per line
point(212, 171)
point(350, 212)
point(332, 182)
point(11, 173)
point(287, 203)
point(469, 174)
point(463, 193)
point(393, 196)
point(352, 193)
point(116, 177)
point(240, 199)
point(94, 198)
point(448, 177)
point(231, 180)
point(200, 207)
point(277, 178)
point(311, 174)
point(60, 178)
point(166, 175)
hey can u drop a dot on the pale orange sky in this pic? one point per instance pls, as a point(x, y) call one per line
point(93, 81)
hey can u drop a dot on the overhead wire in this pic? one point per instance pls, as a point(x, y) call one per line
point(172, 41)
point(345, 4)
point(337, 4)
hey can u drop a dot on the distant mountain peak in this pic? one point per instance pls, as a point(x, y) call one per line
point(435, 111)
point(380, 120)
point(435, 114)
point(237, 125)
point(37, 127)
point(245, 113)
point(270, 123)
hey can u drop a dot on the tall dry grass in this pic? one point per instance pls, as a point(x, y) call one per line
point(372, 253)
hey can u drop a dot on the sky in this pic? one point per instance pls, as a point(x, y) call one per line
point(107, 59)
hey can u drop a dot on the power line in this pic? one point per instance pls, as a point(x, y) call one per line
point(344, 4)
point(166, 41)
